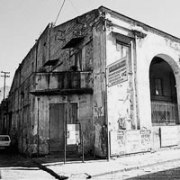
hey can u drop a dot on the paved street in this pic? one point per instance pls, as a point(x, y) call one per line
point(164, 171)
point(156, 165)
point(16, 167)
point(171, 174)
point(163, 165)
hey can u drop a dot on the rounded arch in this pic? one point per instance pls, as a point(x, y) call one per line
point(163, 76)
point(170, 61)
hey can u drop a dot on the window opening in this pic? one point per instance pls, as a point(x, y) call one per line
point(158, 87)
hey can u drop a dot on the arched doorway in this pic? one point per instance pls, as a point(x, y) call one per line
point(164, 109)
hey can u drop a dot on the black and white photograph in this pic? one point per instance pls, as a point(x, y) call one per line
point(90, 89)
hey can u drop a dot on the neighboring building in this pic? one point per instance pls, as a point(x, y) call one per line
point(117, 77)
point(5, 125)
point(4, 116)
point(7, 88)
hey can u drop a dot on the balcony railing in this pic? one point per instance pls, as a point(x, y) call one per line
point(164, 113)
point(63, 82)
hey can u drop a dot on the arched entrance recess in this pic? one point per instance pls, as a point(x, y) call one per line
point(164, 106)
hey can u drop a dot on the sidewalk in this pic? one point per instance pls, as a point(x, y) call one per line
point(97, 168)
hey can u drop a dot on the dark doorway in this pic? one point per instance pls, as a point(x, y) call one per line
point(61, 114)
point(56, 133)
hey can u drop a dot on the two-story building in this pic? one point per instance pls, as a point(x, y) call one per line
point(117, 77)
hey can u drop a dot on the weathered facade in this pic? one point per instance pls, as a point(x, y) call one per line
point(117, 77)
point(4, 120)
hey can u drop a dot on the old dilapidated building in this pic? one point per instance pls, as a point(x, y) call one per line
point(115, 76)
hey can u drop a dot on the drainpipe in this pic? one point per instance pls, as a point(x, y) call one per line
point(135, 82)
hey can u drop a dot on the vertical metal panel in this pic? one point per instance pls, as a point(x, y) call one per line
point(56, 118)
point(74, 113)
point(72, 119)
point(59, 113)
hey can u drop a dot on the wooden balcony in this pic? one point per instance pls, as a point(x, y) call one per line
point(68, 82)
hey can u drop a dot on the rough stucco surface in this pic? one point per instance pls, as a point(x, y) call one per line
point(121, 95)
point(121, 112)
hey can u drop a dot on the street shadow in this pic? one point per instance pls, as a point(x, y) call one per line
point(170, 174)
point(9, 158)
point(59, 158)
point(15, 161)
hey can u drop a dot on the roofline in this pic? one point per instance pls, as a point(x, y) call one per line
point(68, 21)
point(98, 10)
point(36, 42)
point(136, 22)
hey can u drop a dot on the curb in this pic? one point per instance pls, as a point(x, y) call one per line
point(51, 172)
point(89, 176)
point(131, 168)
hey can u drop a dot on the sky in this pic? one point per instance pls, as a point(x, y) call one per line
point(22, 21)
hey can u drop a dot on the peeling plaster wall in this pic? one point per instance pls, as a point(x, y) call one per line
point(84, 117)
point(21, 102)
point(99, 95)
point(23, 105)
point(120, 95)
point(124, 108)
point(147, 48)
point(121, 98)
point(62, 34)
point(42, 48)
point(21, 110)
point(130, 100)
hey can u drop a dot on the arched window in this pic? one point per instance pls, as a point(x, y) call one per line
point(163, 93)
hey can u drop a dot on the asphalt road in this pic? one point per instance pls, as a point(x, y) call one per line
point(161, 171)
point(171, 174)
point(16, 167)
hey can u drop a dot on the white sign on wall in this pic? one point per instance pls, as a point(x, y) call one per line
point(133, 142)
point(73, 134)
point(117, 72)
point(146, 139)
point(169, 136)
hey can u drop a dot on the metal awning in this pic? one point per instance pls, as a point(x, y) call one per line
point(62, 91)
point(52, 62)
point(73, 42)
